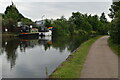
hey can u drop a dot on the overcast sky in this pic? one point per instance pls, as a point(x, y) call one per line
point(35, 9)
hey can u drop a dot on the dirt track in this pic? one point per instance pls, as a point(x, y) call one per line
point(101, 62)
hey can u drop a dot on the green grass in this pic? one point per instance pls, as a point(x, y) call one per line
point(71, 68)
point(115, 47)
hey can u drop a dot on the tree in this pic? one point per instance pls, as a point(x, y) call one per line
point(61, 27)
point(81, 22)
point(104, 24)
point(12, 12)
point(26, 21)
point(48, 23)
point(11, 17)
point(115, 24)
point(103, 19)
point(115, 29)
point(114, 8)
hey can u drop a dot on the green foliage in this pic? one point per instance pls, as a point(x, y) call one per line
point(10, 24)
point(48, 23)
point(61, 27)
point(114, 8)
point(115, 30)
point(11, 17)
point(115, 24)
point(0, 17)
point(11, 12)
point(91, 23)
point(26, 21)
point(114, 47)
point(104, 24)
point(93, 33)
point(95, 23)
point(80, 21)
point(103, 18)
point(80, 32)
point(80, 24)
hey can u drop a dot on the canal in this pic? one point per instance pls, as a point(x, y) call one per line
point(36, 57)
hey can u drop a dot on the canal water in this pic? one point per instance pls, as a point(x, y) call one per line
point(36, 57)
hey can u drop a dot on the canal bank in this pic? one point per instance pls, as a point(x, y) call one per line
point(73, 65)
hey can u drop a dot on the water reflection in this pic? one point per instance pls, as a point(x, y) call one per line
point(31, 43)
point(36, 56)
point(10, 46)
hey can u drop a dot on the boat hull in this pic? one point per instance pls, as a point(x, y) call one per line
point(28, 34)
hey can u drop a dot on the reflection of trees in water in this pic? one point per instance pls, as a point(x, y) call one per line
point(26, 44)
point(10, 49)
point(75, 42)
point(71, 42)
point(46, 42)
point(59, 42)
point(0, 47)
point(47, 46)
point(10, 46)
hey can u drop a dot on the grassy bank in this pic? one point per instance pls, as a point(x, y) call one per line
point(114, 47)
point(72, 67)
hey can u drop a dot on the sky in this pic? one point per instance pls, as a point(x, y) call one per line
point(35, 9)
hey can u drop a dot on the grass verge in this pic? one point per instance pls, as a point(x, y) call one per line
point(115, 47)
point(71, 68)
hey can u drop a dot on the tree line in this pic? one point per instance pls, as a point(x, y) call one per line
point(81, 24)
point(77, 24)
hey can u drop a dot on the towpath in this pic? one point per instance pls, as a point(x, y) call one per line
point(101, 62)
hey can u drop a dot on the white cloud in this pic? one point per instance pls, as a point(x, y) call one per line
point(35, 10)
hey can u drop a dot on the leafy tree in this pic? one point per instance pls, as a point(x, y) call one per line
point(11, 17)
point(48, 23)
point(114, 8)
point(115, 28)
point(81, 22)
point(72, 26)
point(12, 12)
point(26, 21)
point(94, 21)
point(104, 23)
point(103, 18)
point(10, 24)
point(61, 27)
point(115, 24)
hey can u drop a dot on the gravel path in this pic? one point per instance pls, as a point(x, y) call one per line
point(101, 62)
